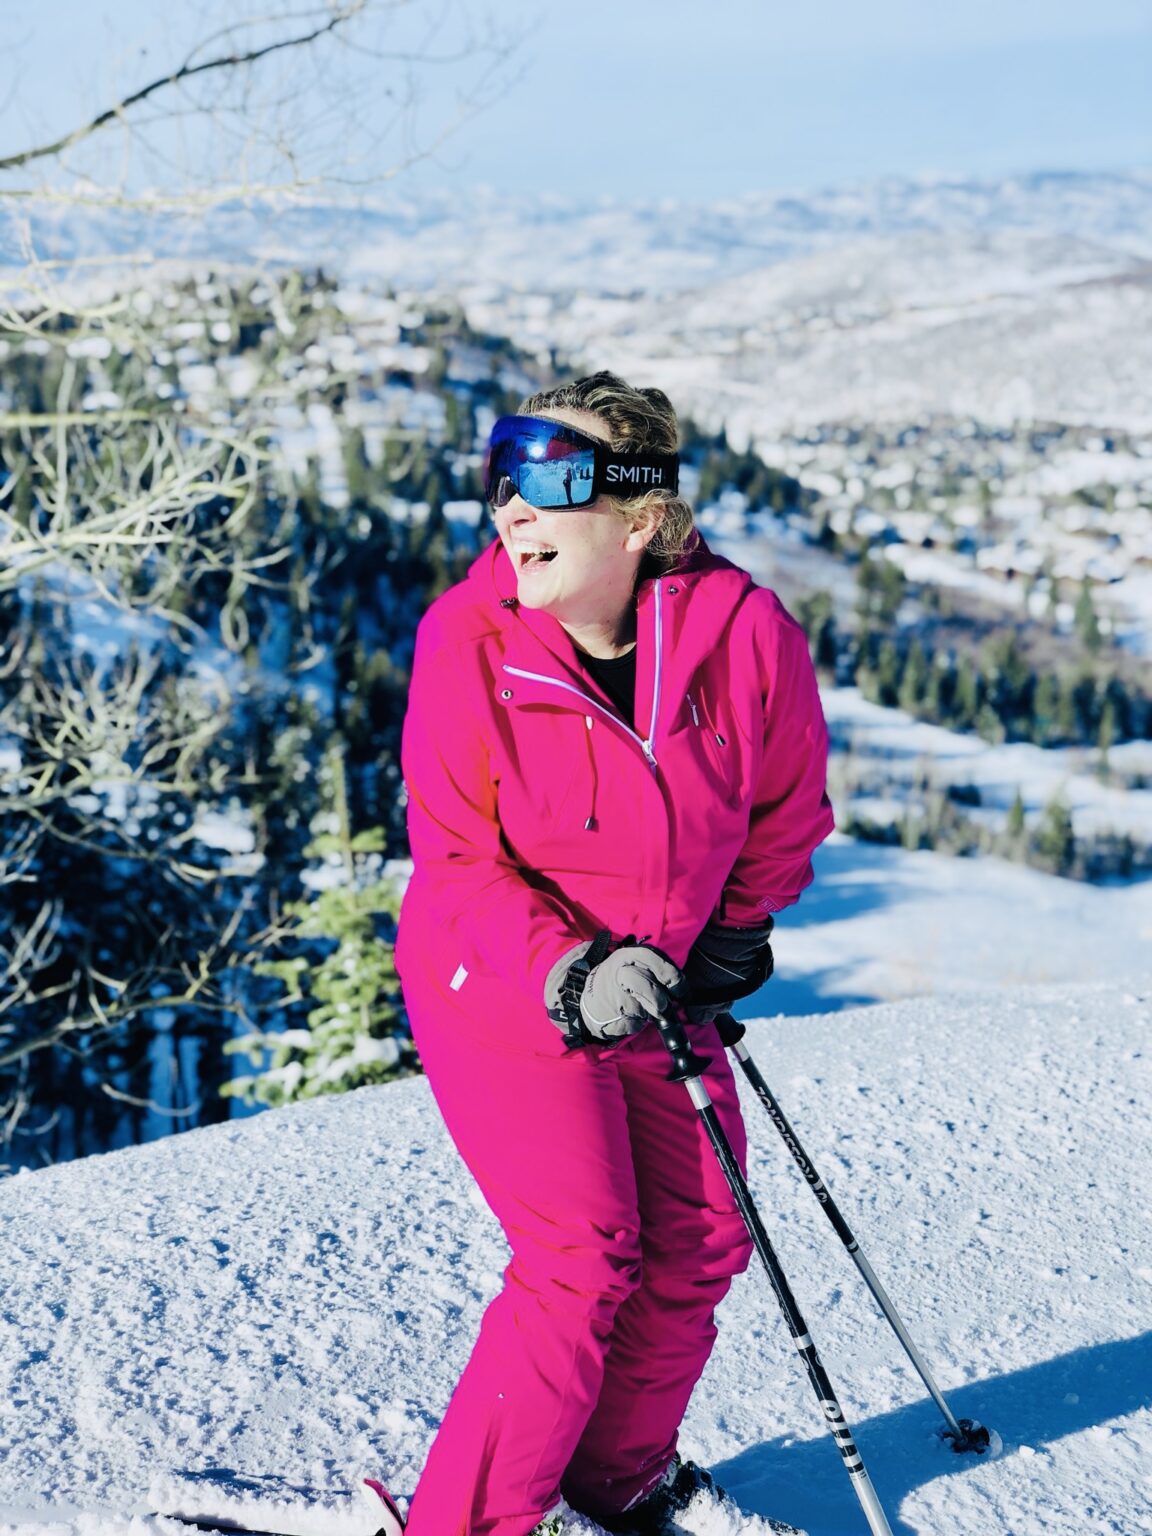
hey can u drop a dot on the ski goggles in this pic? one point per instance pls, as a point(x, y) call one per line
point(554, 467)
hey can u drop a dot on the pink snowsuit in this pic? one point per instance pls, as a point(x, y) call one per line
point(538, 817)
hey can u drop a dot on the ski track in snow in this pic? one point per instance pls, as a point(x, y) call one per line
point(250, 1317)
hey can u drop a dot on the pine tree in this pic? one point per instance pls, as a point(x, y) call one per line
point(1067, 725)
point(355, 1032)
point(1016, 823)
point(967, 699)
point(989, 724)
point(1055, 843)
point(1105, 737)
point(357, 469)
point(933, 707)
point(888, 674)
point(814, 611)
point(1086, 702)
point(1045, 709)
point(879, 592)
point(1087, 624)
point(914, 681)
point(1009, 682)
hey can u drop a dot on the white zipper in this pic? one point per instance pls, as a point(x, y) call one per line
point(656, 682)
point(692, 707)
point(558, 682)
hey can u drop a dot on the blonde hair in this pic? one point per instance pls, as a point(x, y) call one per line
point(638, 420)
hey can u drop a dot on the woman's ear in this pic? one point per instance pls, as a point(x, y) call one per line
point(644, 525)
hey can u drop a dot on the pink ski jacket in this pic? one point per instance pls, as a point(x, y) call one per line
point(537, 816)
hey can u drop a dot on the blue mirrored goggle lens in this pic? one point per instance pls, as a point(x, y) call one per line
point(557, 482)
point(543, 462)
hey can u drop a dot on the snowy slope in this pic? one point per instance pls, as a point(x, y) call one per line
point(880, 924)
point(251, 1317)
point(886, 329)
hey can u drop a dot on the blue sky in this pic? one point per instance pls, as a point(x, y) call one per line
point(688, 99)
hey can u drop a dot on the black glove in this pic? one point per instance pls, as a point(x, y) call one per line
point(724, 965)
point(601, 995)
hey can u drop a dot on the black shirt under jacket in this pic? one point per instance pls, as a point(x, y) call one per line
point(616, 675)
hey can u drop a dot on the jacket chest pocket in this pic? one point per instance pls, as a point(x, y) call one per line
point(715, 748)
point(539, 772)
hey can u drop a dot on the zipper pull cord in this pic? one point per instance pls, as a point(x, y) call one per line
point(720, 740)
point(591, 824)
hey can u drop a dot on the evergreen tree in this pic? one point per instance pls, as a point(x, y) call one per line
point(814, 612)
point(867, 591)
point(879, 592)
point(934, 707)
point(1046, 710)
point(1015, 826)
point(1054, 842)
point(1067, 724)
point(914, 680)
point(968, 695)
point(355, 1032)
point(911, 832)
point(1008, 692)
point(357, 469)
point(989, 724)
point(1087, 624)
point(1106, 736)
point(888, 674)
point(1086, 703)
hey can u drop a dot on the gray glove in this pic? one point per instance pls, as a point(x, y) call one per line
point(620, 995)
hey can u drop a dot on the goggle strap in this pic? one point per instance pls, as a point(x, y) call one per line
point(631, 474)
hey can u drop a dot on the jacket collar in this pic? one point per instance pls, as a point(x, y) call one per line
point(696, 604)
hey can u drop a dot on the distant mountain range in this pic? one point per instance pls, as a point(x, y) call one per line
point(547, 243)
point(1029, 297)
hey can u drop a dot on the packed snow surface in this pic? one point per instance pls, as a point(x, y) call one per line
point(249, 1318)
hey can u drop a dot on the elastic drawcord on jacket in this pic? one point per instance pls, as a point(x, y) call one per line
point(721, 740)
point(590, 824)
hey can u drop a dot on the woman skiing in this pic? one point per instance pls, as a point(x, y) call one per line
point(615, 762)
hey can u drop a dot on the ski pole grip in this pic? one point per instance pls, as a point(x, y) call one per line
point(686, 1063)
point(728, 1029)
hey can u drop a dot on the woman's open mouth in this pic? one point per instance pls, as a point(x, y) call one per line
point(534, 556)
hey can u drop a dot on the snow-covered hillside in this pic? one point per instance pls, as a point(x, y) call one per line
point(554, 243)
point(1000, 330)
point(911, 749)
point(1023, 298)
point(249, 1318)
point(880, 924)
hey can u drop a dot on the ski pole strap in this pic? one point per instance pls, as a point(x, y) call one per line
point(578, 1034)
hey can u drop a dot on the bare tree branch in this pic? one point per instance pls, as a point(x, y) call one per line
point(260, 127)
point(186, 71)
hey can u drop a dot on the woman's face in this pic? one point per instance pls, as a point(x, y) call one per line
point(591, 576)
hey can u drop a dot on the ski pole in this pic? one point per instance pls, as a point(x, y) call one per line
point(687, 1068)
point(965, 1434)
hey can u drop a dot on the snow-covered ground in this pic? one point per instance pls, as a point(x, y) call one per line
point(247, 1319)
point(880, 924)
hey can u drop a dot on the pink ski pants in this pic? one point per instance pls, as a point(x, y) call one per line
point(624, 1237)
